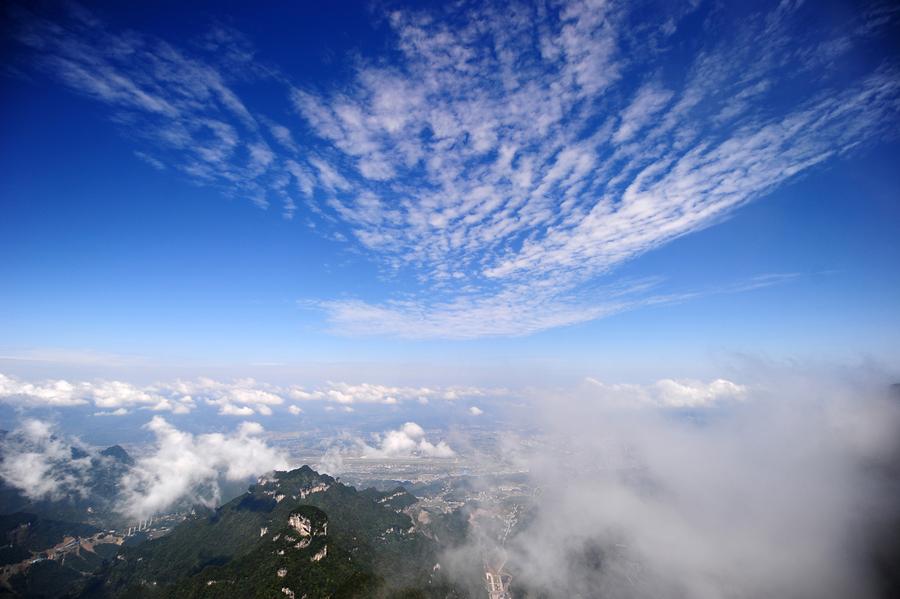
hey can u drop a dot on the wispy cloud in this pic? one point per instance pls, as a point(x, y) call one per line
point(508, 179)
point(509, 156)
point(178, 104)
point(517, 310)
point(81, 356)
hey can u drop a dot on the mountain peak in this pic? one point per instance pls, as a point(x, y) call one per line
point(118, 453)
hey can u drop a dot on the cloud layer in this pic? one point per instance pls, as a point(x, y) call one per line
point(238, 397)
point(111, 397)
point(345, 393)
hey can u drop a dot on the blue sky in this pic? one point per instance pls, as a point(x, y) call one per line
point(428, 196)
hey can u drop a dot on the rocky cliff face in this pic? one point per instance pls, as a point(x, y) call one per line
point(305, 527)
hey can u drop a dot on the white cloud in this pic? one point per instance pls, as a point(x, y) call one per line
point(476, 411)
point(112, 396)
point(116, 412)
point(240, 397)
point(646, 104)
point(115, 394)
point(229, 409)
point(669, 393)
point(186, 467)
point(370, 393)
point(41, 464)
point(408, 441)
point(246, 397)
point(52, 393)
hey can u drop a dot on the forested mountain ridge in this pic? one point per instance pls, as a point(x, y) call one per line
point(365, 546)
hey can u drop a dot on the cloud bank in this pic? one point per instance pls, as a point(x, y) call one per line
point(239, 397)
point(105, 395)
point(787, 492)
point(187, 468)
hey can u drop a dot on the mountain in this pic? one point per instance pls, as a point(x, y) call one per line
point(291, 534)
point(118, 454)
point(352, 544)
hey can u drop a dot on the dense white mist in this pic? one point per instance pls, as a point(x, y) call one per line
point(186, 467)
point(771, 496)
point(41, 464)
